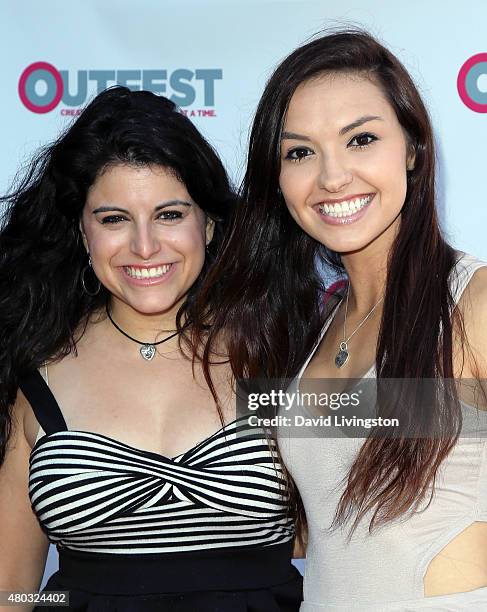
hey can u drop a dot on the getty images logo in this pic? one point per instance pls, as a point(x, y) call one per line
point(42, 86)
point(472, 83)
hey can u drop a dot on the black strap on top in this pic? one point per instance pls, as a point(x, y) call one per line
point(43, 402)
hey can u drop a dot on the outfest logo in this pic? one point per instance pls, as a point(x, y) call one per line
point(470, 90)
point(42, 87)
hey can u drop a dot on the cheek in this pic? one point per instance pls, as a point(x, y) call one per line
point(191, 244)
point(292, 182)
point(394, 188)
point(295, 185)
point(391, 177)
point(103, 245)
point(299, 177)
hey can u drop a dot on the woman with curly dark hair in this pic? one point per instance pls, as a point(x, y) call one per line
point(341, 171)
point(111, 444)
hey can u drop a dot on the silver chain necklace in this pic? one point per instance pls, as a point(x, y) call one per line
point(343, 353)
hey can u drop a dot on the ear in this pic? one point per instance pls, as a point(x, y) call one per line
point(210, 230)
point(83, 235)
point(411, 159)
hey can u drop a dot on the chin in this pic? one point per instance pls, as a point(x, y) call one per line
point(347, 248)
point(154, 307)
point(354, 244)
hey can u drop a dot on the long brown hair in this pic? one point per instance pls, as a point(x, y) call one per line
point(267, 304)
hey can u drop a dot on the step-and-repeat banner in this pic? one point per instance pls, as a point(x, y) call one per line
point(212, 57)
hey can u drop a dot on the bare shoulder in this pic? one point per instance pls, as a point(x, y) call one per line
point(25, 417)
point(24, 427)
point(473, 307)
point(20, 413)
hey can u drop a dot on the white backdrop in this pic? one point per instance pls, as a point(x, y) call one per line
point(213, 57)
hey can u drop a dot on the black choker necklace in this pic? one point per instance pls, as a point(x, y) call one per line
point(147, 349)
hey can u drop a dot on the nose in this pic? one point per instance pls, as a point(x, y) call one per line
point(334, 174)
point(145, 241)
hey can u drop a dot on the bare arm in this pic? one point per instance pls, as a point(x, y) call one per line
point(474, 310)
point(23, 545)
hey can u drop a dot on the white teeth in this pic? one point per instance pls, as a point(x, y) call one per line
point(143, 273)
point(155, 272)
point(345, 208)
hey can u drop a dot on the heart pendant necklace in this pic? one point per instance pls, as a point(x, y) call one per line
point(343, 353)
point(147, 349)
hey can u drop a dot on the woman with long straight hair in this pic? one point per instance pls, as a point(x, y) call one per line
point(341, 173)
point(111, 443)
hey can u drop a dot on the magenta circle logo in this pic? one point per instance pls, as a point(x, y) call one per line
point(28, 93)
point(470, 90)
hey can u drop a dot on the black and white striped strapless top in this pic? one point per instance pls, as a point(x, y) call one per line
point(92, 493)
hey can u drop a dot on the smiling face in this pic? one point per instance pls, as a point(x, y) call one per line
point(146, 237)
point(343, 163)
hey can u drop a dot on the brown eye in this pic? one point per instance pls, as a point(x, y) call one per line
point(112, 219)
point(170, 215)
point(298, 153)
point(362, 140)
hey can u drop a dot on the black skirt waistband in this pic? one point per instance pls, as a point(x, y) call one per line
point(215, 570)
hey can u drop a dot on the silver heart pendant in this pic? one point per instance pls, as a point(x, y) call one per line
point(147, 351)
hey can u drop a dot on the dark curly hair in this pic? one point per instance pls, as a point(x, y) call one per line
point(43, 309)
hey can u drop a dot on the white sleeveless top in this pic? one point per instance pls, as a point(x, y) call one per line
point(384, 571)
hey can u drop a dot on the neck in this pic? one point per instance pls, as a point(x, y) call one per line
point(367, 270)
point(142, 326)
point(367, 283)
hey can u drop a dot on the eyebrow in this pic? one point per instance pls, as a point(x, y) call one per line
point(294, 136)
point(344, 130)
point(358, 122)
point(104, 209)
